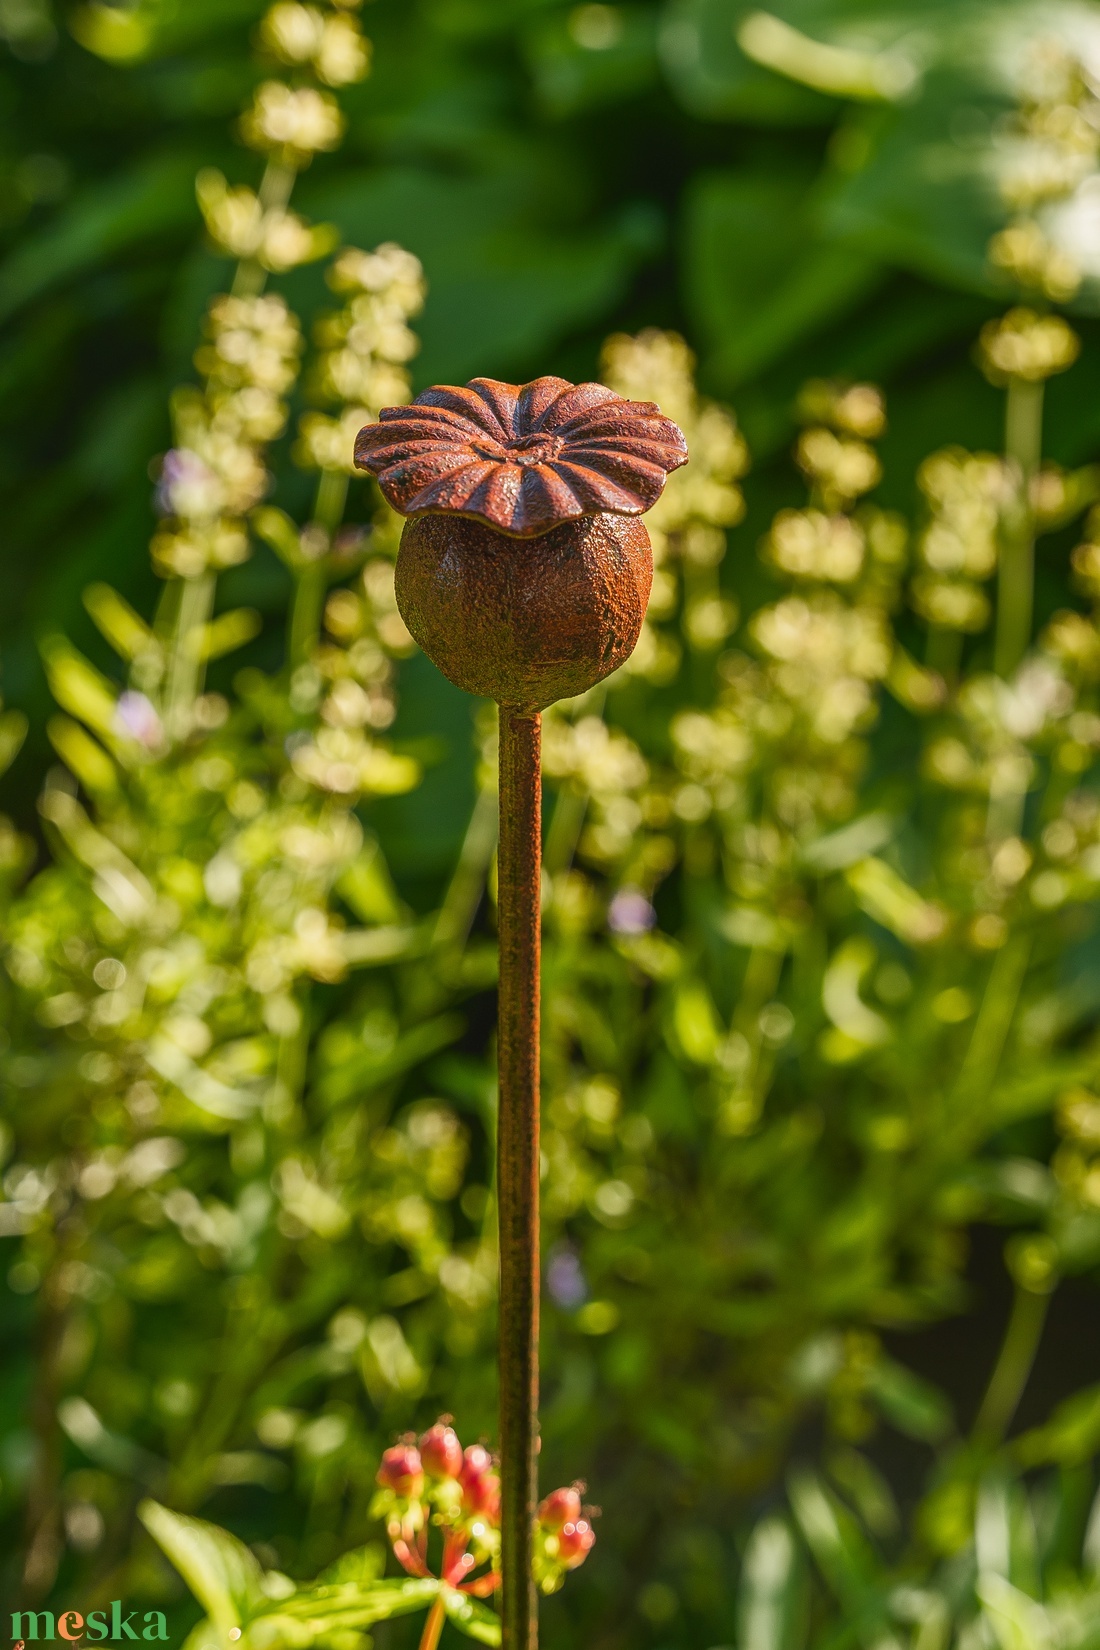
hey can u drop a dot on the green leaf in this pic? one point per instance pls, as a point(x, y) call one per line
point(695, 1022)
point(204, 1636)
point(1017, 1621)
point(115, 619)
point(714, 79)
point(757, 296)
point(866, 1489)
point(105, 220)
point(352, 1069)
point(324, 1609)
point(82, 755)
point(13, 731)
point(843, 1555)
point(770, 1611)
point(913, 1405)
point(1071, 1436)
point(277, 530)
point(367, 887)
point(911, 190)
point(78, 686)
point(361, 1565)
point(503, 289)
point(905, 192)
point(587, 58)
point(471, 1617)
point(222, 1573)
point(227, 633)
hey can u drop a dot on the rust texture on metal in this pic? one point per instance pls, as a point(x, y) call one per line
point(529, 624)
point(522, 458)
point(524, 574)
point(519, 872)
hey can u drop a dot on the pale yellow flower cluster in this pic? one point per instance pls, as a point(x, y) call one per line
point(332, 43)
point(700, 502)
point(364, 347)
point(289, 124)
point(187, 979)
point(215, 474)
point(244, 227)
point(1027, 346)
point(957, 549)
point(1003, 879)
point(349, 683)
point(773, 760)
point(604, 765)
point(1086, 557)
point(1047, 167)
point(1076, 1163)
point(778, 755)
point(1006, 735)
point(292, 123)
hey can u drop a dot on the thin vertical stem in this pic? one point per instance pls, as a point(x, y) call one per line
point(312, 578)
point(305, 612)
point(185, 670)
point(459, 907)
point(1016, 579)
point(518, 901)
point(433, 1626)
point(1006, 1386)
point(944, 652)
point(332, 496)
point(995, 1017)
point(274, 193)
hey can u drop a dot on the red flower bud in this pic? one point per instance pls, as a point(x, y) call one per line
point(560, 1507)
point(441, 1452)
point(475, 1462)
point(401, 1471)
point(575, 1541)
point(480, 1485)
point(482, 1496)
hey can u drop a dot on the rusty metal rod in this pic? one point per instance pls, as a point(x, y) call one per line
point(519, 872)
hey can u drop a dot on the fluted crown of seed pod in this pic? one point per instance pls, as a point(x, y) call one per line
point(524, 572)
point(523, 459)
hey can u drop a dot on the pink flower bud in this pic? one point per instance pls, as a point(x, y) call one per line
point(576, 1540)
point(559, 1508)
point(482, 1496)
point(401, 1471)
point(441, 1452)
point(480, 1485)
point(475, 1462)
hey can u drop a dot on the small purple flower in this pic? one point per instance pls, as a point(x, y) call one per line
point(137, 716)
point(187, 485)
point(631, 913)
point(565, 1279)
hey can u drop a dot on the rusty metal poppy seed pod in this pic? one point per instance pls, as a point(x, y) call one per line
point(524, 570)
point(524, 574)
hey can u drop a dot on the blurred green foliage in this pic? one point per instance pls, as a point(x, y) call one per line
point(821, 977)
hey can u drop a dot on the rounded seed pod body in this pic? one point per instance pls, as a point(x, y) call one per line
point(525, 621)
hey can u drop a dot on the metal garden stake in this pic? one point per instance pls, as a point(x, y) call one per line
point(524, 574)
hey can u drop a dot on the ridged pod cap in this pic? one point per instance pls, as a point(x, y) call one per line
point(524, 572)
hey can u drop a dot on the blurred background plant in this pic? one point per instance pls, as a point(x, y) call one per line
point(822, 971)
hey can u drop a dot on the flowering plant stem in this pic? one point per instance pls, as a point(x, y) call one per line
point(276, 188)
point(196, 603)
point(312, 579)
point(518, 904)
point(1010, 1376)
point(433, 1626)
point(1015, 585)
